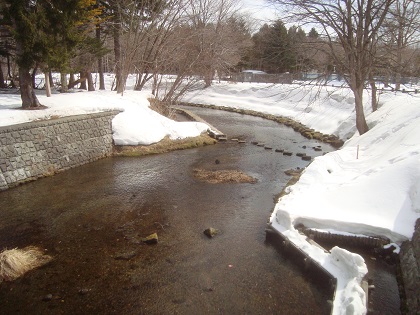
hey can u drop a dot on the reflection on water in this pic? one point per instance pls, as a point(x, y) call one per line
point(91, 220)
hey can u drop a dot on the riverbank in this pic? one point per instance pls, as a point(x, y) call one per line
point(163, 146)
point(305, 131)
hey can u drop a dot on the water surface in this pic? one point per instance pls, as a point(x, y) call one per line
point(91, 219)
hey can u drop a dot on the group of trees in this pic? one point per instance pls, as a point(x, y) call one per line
point(146, 37)
point(359, 39)
point(276, 49)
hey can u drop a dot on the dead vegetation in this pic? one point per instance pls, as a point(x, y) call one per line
point(14, 263)
point(294, 178)
point(163, 146)
point(223, 176)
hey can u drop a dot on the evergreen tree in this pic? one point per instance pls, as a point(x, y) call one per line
point(313, 33)
point(276, 49)
point(46, 33)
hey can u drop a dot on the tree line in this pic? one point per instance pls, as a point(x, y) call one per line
point(193, 40)
point(184, 38)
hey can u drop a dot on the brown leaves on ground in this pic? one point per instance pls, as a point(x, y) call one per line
point(223, 176)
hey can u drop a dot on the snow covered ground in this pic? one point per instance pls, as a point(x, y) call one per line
point(371, 186)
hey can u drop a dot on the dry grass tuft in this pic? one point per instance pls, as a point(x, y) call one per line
point(223, 176)
point(14, 263)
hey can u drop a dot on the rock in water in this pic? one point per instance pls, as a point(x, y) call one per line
point(125, 256)
point(210, 232)
point(151, 239)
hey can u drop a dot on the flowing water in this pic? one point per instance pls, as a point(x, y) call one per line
point(92, 219)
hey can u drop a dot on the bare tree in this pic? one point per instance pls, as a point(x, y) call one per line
point(401, 35)
point(154, 36)
point(221, 35)
point(353, 25)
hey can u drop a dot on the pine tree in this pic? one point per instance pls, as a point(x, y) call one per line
point(46, 33)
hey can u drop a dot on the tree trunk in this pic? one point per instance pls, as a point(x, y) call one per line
point(100, 61)
point(82, 80)
point(2, 82)
point(144, 78)
point(27, 93)
point(117, 51)
point(71, 81)
point(79, 81)
point(398, 80)
point(9, 72)
point(63, 79)
point(361, 124)
point(208, 78)
point(374, 98)
point(91, 86)
point(47, 83)
point(33, 75)
point(51, 78)
point(155, 85)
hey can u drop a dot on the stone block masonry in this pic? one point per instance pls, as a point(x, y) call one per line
point(32, 150)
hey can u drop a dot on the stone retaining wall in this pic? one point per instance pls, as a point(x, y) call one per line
point(410, 263)
point(32, 150)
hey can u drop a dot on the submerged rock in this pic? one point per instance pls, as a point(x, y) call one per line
point(210, 232)
point(125, 256)
point(151, 239)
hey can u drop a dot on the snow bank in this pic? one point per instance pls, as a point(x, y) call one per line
point(348, 268)
point(329, 110)
point(369, 187)
point(374, 192)
point(141, 126)
point(136, 125)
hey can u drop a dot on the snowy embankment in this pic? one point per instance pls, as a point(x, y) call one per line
point(371, 186)
point(136, 125)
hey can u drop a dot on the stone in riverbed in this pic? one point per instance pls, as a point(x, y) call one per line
point(151, 239)
point(210, 232)
point(126, 255)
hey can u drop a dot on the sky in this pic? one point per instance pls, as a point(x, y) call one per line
point(371, 186)
point(260, 10)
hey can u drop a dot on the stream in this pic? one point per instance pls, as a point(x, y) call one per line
point(92, 220)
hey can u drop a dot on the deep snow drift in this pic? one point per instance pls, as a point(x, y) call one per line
point(371, 186)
